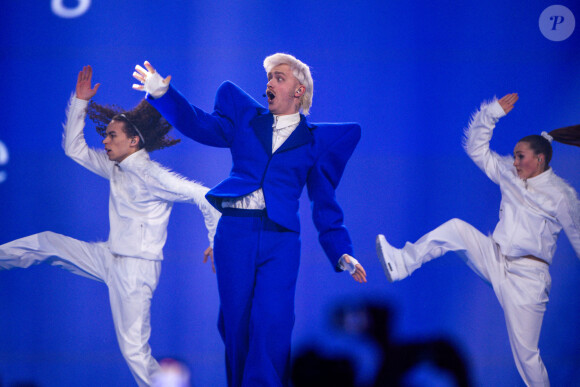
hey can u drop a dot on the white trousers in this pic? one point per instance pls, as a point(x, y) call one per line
point(521, 285)
point(131, 283)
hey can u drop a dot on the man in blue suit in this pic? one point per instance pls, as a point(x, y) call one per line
point(275, 153)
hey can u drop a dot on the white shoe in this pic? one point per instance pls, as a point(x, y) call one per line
point(388, 255)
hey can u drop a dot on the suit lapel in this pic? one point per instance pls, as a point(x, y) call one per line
point(262, 126)
point(300, 136)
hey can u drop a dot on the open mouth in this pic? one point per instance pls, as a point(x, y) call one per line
point(270, 95)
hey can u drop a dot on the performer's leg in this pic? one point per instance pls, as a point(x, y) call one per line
point(235, 253)
point(272, 315)
point(78, 257)
point(523, 296)
point(476, 249)
point(131, 283)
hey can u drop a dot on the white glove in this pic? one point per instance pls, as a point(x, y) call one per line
point(351, 267)
point(151, 82)
point(154, 85)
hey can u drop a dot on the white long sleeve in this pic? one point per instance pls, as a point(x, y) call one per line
point(478, 135)
point(170, 186)
point(74, 144)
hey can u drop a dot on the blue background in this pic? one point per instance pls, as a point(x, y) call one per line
point(411, 73)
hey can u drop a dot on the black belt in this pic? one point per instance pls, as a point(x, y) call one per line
point(241, 212)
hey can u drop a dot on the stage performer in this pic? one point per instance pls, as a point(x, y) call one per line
point(275, 153)
point(536, 205)
point(142, 193)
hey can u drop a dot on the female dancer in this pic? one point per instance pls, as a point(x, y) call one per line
point(536, 205)
point(141, 197)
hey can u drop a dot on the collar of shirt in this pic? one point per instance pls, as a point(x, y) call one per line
point(133, 159)
point(540, 179)
point(283, 127)
point(282, 122)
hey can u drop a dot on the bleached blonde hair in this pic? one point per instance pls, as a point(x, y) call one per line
point(300, 70)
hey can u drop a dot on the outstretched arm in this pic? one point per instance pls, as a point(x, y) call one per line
point(172, 187)
point(211, 129)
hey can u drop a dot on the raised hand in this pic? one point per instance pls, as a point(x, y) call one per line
point(83, 89)
point(508, 101)
point(151, 81)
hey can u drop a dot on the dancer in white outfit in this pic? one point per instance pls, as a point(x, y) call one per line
point(141, 196)
point(536, 205)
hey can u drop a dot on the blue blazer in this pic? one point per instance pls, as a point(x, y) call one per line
point(314, 155)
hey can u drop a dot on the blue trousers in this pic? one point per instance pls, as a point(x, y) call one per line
point(257, 265)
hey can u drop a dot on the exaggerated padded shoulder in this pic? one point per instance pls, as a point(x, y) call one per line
point(330, 133)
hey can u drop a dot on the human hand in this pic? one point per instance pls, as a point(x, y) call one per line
point(508, 101)
point(359, 274)
point(208, 253)
point(83, 89)
point(151, 81)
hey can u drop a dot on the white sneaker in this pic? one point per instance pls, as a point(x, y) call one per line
point(388, 255)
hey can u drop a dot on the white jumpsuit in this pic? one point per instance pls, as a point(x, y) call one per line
point(141, 197)
point(532, 214)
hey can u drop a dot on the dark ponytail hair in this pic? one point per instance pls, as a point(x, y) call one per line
point(569, 135)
